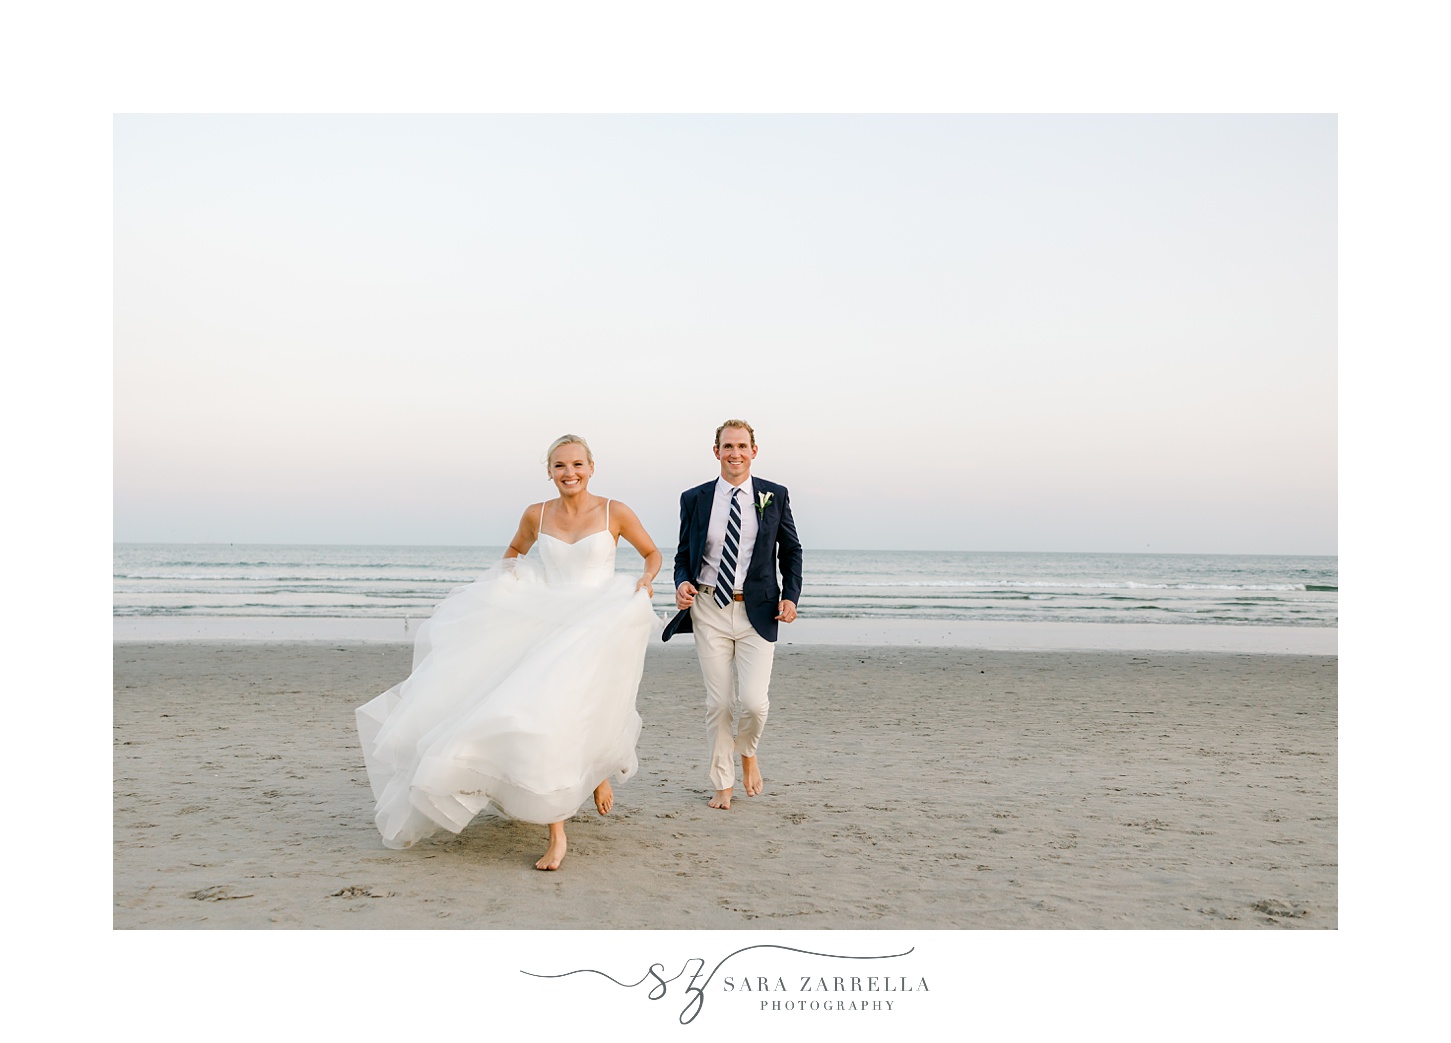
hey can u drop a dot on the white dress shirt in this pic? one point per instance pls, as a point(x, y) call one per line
point(720, 510)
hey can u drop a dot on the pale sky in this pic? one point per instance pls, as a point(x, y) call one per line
point(1110, 333)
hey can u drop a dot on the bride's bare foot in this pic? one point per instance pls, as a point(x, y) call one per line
point(751, 775)
point(555, 855)
point(604, 797)
point(722, 799)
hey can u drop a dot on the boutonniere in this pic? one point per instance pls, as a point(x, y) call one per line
point(762, 499)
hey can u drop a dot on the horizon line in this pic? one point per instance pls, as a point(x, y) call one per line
point(855, 550)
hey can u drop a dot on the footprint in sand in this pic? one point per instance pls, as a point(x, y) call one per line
point(220, 893)
point(1273, 907)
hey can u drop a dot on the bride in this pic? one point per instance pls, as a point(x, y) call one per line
point(522, 695)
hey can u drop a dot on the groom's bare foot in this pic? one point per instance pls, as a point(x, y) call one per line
point(555, 855)
point(751, 775)
point(604, 797)
point(722, 799)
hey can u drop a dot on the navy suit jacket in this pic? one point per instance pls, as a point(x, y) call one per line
point(776, 543)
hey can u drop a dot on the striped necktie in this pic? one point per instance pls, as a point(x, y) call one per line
point(725, 582)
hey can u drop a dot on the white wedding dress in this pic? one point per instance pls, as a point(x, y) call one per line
point(521, 699)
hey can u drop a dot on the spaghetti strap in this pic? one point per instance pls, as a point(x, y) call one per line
point(541, 517)
point(607, 515)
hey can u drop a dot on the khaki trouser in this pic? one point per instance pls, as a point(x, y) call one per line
point(735, 663)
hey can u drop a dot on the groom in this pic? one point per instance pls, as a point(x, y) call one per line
point(734, 531)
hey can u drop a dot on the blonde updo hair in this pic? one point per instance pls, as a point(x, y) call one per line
point(567, 440)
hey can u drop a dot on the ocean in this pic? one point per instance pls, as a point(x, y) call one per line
point(173, 580)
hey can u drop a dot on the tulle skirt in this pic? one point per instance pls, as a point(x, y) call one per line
point(521, 701)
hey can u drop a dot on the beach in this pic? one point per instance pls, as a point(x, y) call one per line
point(909, 786)
point(1054, 403)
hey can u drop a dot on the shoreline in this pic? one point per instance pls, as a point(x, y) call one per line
point(999, 636)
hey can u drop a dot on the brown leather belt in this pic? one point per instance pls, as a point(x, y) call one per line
point(709, 592)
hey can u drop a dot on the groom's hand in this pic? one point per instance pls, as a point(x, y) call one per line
point(787, 611)
point(685, 595)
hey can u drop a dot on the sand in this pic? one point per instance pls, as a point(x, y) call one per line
point(906, 788)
